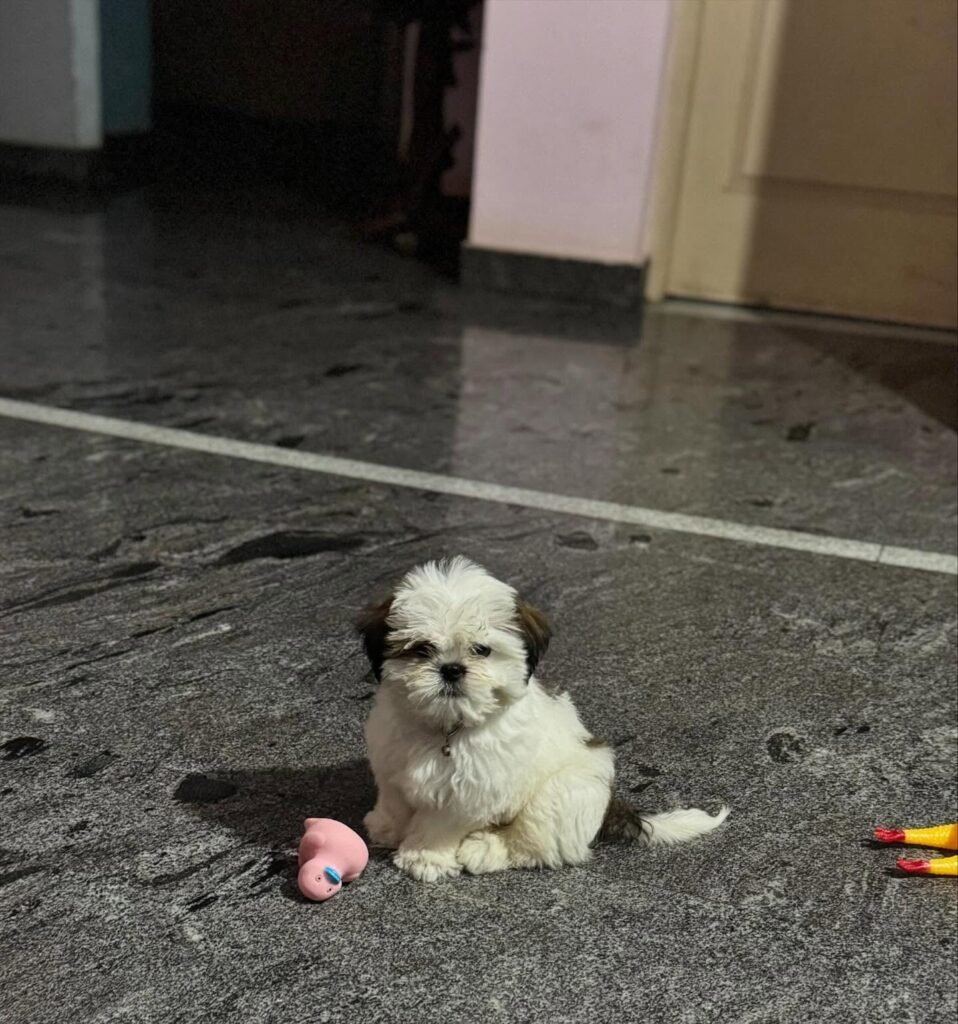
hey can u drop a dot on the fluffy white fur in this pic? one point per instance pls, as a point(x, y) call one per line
point(521, 785)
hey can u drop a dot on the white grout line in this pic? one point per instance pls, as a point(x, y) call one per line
point(795, 540)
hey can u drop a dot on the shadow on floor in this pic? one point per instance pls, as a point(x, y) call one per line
point(269, 805)
point(923, 373)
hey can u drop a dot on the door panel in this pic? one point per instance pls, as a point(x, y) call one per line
point(820, 164)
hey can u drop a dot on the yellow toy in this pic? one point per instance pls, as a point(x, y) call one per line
point(944, 837)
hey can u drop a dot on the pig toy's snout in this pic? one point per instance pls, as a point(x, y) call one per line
point(330, 881)
point(319, 885)
point(330, 854)
point(326, 886)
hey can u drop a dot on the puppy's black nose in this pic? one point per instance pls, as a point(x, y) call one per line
point(452, 672)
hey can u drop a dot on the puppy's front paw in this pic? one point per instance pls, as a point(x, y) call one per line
point(427, 865)
point(383, 829)
point(483, 852)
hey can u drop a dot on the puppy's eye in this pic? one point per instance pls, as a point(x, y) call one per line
point(481, 651)
point(423, 650)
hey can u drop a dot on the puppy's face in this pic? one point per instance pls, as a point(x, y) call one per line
point(455, 642)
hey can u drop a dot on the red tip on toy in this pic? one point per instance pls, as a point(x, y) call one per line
point(890, 835)
point(914, 867)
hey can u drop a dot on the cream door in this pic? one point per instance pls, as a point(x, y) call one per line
point(817, 165)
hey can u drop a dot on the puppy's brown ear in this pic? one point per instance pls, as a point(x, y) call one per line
point(535, 631)
point(371, 626)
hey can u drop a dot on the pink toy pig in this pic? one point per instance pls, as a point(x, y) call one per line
point(330, 853)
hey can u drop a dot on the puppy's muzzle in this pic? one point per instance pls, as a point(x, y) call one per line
point(451, 676)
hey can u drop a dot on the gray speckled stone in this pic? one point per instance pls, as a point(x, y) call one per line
point(201, 315)
point(149, 633)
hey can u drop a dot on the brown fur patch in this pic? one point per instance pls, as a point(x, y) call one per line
point(593, 742)
point(622, 822)
point(419, 648)
point(536, 633)
point(374, 630)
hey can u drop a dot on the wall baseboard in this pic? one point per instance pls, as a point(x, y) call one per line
point(78, 179)
point(69, 165)
point(582, 281)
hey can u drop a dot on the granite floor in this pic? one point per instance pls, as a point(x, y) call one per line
point(181, 686)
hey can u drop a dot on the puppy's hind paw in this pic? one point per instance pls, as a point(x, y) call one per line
point(483, 852)
point(382, 829)
point(427, 865)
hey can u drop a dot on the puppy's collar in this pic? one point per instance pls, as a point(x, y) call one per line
point(447, 736)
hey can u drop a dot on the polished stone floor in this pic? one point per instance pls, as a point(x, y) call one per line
point(181, 686)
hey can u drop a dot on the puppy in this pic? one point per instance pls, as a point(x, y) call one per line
point(477, 766)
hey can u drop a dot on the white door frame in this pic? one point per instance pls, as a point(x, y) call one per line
point(675, 114)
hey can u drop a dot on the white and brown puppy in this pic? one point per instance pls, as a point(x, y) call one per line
point(477, 766)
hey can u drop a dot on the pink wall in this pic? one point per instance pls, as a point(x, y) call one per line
point(568, 101)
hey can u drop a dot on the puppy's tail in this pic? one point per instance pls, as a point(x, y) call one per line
point(666, 829)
